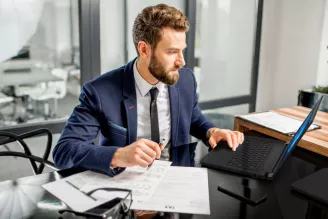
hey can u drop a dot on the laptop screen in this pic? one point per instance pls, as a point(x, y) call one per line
point(303, 128)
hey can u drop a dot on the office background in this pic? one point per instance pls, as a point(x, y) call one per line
point(247, 56)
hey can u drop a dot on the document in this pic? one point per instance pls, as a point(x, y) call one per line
point(182, 190)
point(277, 122)
point(141, 181)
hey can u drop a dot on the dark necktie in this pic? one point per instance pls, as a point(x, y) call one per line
point(154, 115)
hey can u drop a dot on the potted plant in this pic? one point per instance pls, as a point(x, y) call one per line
point(309, 97)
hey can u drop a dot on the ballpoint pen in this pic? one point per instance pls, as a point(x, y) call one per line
point(160, 144)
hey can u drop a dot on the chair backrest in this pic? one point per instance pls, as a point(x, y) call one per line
point(11, 137)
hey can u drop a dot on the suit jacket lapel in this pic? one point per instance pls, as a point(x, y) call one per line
point(130, 102)
point(175, 109)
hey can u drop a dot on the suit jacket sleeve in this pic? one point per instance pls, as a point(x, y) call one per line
point(199, 124)
point(75, 147)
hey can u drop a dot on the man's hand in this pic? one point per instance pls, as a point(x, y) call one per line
point(145, 214)
point(233, 138)
point(141, 152)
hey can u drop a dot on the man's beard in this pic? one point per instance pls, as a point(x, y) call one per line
point(158, 71)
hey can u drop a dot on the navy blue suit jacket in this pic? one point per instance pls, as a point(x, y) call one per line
point(108, 107)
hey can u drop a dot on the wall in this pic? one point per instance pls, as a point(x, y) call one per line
point(289, 52)
point(111, 34)
point(322, 78)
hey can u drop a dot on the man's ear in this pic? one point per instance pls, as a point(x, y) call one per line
point(143, 49)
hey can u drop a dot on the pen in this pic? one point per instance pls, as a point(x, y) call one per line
point(161, 143)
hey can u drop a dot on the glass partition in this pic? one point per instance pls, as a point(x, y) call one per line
point(39, 61)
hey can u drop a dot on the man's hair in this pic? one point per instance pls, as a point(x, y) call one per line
point(149, 23)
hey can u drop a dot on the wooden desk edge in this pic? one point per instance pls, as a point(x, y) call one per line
point(244, 127)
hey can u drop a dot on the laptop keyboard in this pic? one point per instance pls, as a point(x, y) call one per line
point(250, 156)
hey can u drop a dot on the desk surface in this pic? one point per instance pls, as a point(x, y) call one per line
point(315, 141)
point(26, 198)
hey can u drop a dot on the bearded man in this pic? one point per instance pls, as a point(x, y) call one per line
point(144, 110)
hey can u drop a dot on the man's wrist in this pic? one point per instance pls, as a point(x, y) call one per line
point(115, 159)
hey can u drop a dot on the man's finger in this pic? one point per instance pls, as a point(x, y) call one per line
point(141, 213)
point(149, 151)
point(212, 142)
point(228, 139)
point(141, 162)
point(239, 137)
point(145, 156)
point(153, 145)
point(234, 140)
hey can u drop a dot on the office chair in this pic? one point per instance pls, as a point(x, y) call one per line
point(10, 137)
point(54, 91)
point(4, 101)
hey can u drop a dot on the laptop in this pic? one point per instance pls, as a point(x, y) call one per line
point(257, 157)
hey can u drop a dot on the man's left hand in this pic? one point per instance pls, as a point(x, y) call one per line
point(233, 138)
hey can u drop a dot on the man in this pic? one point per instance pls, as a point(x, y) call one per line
point(136, 106)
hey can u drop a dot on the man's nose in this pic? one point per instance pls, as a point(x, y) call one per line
point(180, 61)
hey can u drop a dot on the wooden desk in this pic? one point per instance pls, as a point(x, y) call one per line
point(315, 141)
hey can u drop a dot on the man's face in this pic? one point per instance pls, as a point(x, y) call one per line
point(167, 58)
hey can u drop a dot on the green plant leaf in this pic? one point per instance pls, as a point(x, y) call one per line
point(320, 89)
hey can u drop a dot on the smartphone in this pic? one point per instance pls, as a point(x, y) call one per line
point(252, 196)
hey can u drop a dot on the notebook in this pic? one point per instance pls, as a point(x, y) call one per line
point(276, 122)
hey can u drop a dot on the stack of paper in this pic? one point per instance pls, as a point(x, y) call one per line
point(161, 188)
point(277, 122)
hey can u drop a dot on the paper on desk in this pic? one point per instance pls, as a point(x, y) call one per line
point(141, 181)
point(277, 122)
point(183, 190)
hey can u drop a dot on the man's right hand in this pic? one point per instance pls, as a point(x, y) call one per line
point(141, 152)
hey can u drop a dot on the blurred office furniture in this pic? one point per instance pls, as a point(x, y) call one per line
point(7, 137)
point(30, 78)
point(53, 91)
point(4, 101)
point(74, 82)
point(24, 72)
point(24, 53)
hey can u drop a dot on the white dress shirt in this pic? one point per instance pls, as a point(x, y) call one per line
point(143, 108)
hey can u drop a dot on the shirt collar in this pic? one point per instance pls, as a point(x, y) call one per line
point(142, 84)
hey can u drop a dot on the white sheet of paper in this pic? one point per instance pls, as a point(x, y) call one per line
point(141, 181)
point(183, 190)
point(275, 121)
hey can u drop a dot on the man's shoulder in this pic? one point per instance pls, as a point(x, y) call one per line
point(186, 75)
